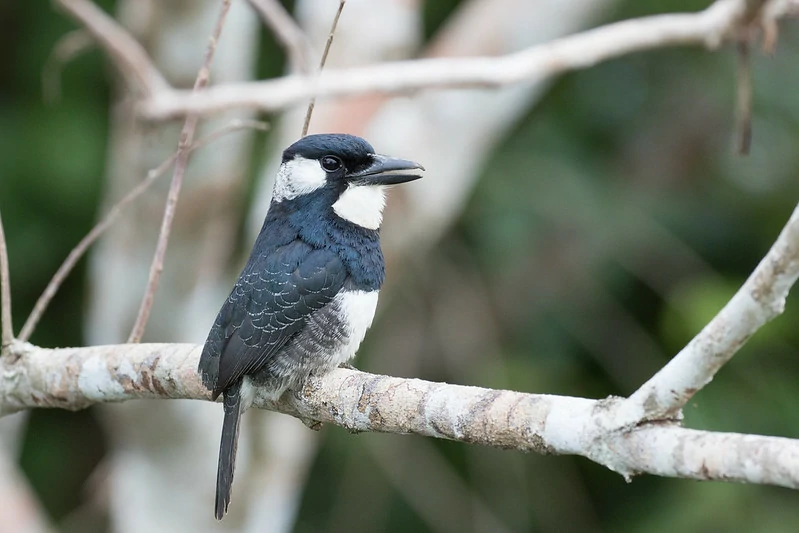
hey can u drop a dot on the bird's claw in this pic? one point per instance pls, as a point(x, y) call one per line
point(315, 425)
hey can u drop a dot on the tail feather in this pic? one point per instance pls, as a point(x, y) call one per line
point(227, 448)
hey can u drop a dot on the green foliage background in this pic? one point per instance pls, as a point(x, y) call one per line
point(606, 230)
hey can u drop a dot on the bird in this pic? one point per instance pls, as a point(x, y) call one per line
point(308, 292)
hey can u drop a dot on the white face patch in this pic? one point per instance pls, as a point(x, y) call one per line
point(362, 205)
point(298, 176)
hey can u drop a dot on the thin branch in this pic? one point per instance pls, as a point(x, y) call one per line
point(65, 49)
point(127, 54)
point(287, 31)
point(771, 13)
point(5, 293)
point(744, 96)
point(74, 378)
point(707, 28)
point(760, 299)
point(743, 109)
point(181, 161)
point(322, 62)
point(113, 214)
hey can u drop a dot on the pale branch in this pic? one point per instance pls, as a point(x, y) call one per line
point(711, 27)
point(708, 455)
point(113, 214)
point(64, 50)
point(760, 299)
point(74, 378)
point(287, 31)
point(127, 54)
point(181, 162)
point(5, 293)
point(769, 15)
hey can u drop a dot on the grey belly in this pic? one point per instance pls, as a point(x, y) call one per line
point(330, 337)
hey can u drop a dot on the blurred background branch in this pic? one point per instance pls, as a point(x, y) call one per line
point(181, 162)
point(97, 231)
point(720, 21)
point(287, 31)
point(309, 113)
point(127, 54)
point(7, 336)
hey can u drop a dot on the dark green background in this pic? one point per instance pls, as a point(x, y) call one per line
point(605, 231)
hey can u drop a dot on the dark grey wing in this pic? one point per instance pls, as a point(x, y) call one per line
point(271, 301)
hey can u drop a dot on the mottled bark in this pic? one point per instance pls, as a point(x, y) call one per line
point(74, 378)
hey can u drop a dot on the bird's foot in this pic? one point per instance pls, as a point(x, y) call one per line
point(315, 425)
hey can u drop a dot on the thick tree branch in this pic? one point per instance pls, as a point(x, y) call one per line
point(707, 28)
point(74, 378)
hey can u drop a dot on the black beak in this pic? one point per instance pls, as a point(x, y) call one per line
point(386, 171)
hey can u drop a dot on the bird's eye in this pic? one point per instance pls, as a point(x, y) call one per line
point(331, 163)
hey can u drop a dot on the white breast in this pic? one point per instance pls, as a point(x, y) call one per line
point(357, 309)
point(362, 205)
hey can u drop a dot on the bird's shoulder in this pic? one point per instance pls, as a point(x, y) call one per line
point(294, 274)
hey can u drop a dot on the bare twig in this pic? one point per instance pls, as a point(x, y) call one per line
point(127, 54)
point(66, 49)
point(287, 32)
point(74, 378)
point(182, 159)
point(81, 248)
point(322, 62)
point(744, 99)
point(709, 28)
point(5, 292)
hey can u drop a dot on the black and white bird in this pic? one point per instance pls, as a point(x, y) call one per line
point(308, 292)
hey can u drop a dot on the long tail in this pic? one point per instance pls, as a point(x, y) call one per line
point(227, 448)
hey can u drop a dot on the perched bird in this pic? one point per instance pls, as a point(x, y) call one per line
point(308, 292)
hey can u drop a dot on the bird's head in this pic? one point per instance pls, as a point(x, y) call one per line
point(346, 171)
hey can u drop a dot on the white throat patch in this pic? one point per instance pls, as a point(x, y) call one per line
point(298, 176)
point(362, 205)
